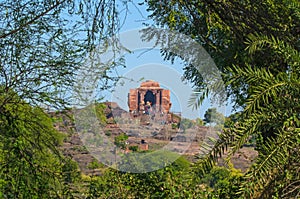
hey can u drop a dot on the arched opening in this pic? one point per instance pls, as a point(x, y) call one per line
point(150, 97)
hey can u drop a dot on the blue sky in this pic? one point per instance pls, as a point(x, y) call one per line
point(145, 63)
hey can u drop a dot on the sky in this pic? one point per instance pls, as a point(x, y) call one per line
point(146, 63)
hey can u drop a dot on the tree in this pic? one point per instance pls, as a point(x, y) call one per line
point(172, 181)
point(30, 163)
point(199, 122)
point(186, 124)
point(223, 29)
point(223, 182)
point(42, 45)
point(120, 141)
point(212, 116)
point(272, 107)
point(231, 120)
point(260, 65)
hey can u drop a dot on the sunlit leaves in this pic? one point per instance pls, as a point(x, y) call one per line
point(30, 162)
point(271, 114)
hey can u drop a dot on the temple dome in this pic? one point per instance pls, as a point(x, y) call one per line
point(149, 83)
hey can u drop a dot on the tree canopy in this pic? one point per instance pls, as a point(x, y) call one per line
point(271, 115)
point(44, 43)
point(29, 158)
point(254, 44)
point(224, 28)
point(213, 116)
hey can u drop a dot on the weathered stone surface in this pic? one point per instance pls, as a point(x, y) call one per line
point(166, 103)
point(149, 92)
point(149, 83)
point(132, 101)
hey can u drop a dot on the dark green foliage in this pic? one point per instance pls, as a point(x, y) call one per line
point(100, 113)
point(70, 171)
point(232, 119)
point(223, 28)
point(271, 116)
point(256, 46)
point(213, 117)
point(30, 163)
point(108, 133)
point(133, 148)
point(186, 124)
point(120, 141)
point(173, 181)
point(224, 182)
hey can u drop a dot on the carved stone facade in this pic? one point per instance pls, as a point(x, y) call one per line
point(149, 92)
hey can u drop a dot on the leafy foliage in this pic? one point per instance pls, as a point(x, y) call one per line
point(173, 181)
point(100, 112)
point(256, 46)
point(120, 141)
point(224, 182)
point(186, 124)
point(272, 113)
point(30, 163)
point(42, 45)
point(223, 29)
point(212, 116)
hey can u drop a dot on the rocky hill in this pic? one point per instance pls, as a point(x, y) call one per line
point(156, 133)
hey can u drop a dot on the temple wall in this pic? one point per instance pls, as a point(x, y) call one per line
point(166, 103)
point(133, 99)
point(136, 96)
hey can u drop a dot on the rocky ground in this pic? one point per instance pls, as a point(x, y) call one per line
point(156, 134)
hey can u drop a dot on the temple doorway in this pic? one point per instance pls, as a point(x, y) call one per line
point(150, 97)
point(149, 91)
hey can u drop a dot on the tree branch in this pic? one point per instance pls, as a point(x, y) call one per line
point(32, 20)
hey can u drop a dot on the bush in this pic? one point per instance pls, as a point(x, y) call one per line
point(133, 148)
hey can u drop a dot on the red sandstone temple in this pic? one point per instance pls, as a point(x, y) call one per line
point(149, 92)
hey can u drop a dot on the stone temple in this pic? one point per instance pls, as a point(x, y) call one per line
point(151, 93)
